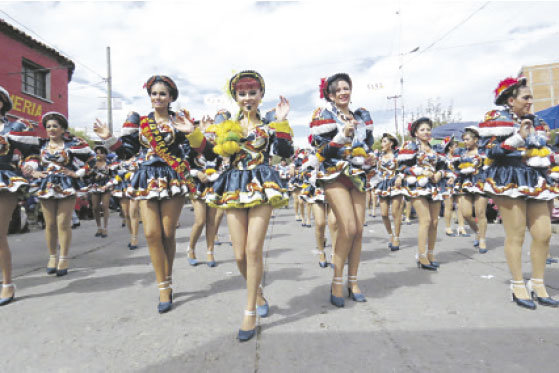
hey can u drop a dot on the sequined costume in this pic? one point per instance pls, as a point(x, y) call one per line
point(388, 171)
point(310, 192)
point(248, 178)
point(338, 155)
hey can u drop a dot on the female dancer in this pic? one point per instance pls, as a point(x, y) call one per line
point(161, 180)
point(100, 185)
point(469, 186)
point(423, 169)
point(124, 172)
point(519, 182)
point(57, 178)
point(389, 189)
point(13, 135)
point(449, 199)
point(343, 140)
point(204, 172)
point(250, 188)
point(295, 184)
point(314, 197)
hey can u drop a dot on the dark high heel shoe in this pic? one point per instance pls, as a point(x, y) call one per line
point(429, 267)
point(431, 255)
point(211, 263)
point(357, 297)
point(192, 261)
point(245, 335)
point(551, 260)
point(394, 247)
point(323, 264)
point(5, 301)
point(525, 303)
point(482, 250)
point(62, 272)
point(163, 307)
point(263, 310)
point(51, 270)
point(337, 301)
point(543, 301)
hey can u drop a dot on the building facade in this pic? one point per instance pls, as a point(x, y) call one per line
point(35, 74)
point(544, 83)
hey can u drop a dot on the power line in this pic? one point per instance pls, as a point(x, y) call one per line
point(48, 43)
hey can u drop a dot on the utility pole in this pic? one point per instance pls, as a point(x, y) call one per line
point(109, 91)
point(395, 98)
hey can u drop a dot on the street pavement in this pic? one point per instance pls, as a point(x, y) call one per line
point(102, 316)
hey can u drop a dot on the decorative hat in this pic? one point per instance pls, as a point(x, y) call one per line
point(61, 118)
point(447, 141)
point(325, 83)
point(246, 79)
point(173, 90)
point(413, 127)
point(505, 86)
point(392, 138)
point(5, 97)
point(473, 129)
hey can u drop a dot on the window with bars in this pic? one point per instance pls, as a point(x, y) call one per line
point(34, 79)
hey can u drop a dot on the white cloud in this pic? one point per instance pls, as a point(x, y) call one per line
point(293, 45)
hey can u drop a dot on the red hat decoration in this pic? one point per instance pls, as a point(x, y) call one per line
point(505, 86)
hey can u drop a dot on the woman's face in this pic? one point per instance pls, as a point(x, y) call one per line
point(385, 144)
point(522, 103)
point(342, 93)
point(469, 141)
point(54, 129)
point(452, 148)
point(248, 99)
point(160, 96)
point(101, 156)
point(423, 132)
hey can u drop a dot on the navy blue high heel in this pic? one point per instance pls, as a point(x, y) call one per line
point(192, 261)
point(163, 307)
point(433, 263)
point(357, 297)
point(337, 301)
point(245, 335)
point(551, 260)
point(323, 264)
point(429, 267)
point(525, 303)
point(62, 272)
point(543, 301)
point(5, 301)
point(211, 263)
point(51, 270)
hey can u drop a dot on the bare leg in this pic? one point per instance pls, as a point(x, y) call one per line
point(302, 209)
point(64, 223)
point(539, 224)
point(375, 199)
point(105, 199)
point(421, 206)
point(513, 214)
point(448, 214)
point(296, 202)
point(461, 227)
point(170, 215)
point(49, 208)
point(153, 231)
point(308, 207)
point(237, 221)
point(466, 208)
point(211, 231)
point(319, 213)
point(340, 199)
point(354, 257)
point(96, 207)
point(384, 206)
point(333, 227)
point(397, 206)
point(134, 221)
point(434, 211)
point(125, 208)
point(8, 202)
point(198, 226)
point(480, 205)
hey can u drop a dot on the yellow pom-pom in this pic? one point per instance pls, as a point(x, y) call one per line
point(210, 171)
point(218, 149)
point(358, 152)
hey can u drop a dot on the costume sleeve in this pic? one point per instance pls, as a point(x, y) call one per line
point(128, 145)
point(407, 160)
point(324, 135)
point(80, 149)
point(510, 147)
point(366, 118)
point(24, 138)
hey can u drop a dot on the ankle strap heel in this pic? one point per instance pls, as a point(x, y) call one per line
point(525, 303)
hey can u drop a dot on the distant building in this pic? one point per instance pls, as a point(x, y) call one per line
point(35, 74)
point(544, 83)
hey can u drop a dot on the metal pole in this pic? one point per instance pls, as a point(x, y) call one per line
point(109, 91)
point(395, 98)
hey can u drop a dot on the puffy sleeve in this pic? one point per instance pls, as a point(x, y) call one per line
point(24, 138)
point(80, 150)
point(281, 135)
point(365, 116)
point(324, 134)
point(407, 159)
point(127, 145)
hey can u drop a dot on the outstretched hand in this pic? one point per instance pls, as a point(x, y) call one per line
point(183, 122)
point(282, 109)
point(101, 129)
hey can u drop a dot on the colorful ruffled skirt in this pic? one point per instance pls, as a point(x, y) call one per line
point(248, 188)
point(386, 188)
point(421, 188)
point(58, 186)
point(121, 182)
point(11, 181)
point(101, 186)
point(470, 183)
point(312, 194)
point(342, 171)
point(516, 180)
point(158, 181)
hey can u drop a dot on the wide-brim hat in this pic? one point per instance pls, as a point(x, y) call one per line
point(392, 138)
point(59, 116)
point(505, 86)
point(5, 96)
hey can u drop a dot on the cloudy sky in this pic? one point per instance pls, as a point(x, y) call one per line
point(465, 49)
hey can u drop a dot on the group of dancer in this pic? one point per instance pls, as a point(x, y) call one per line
point(224, 163)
